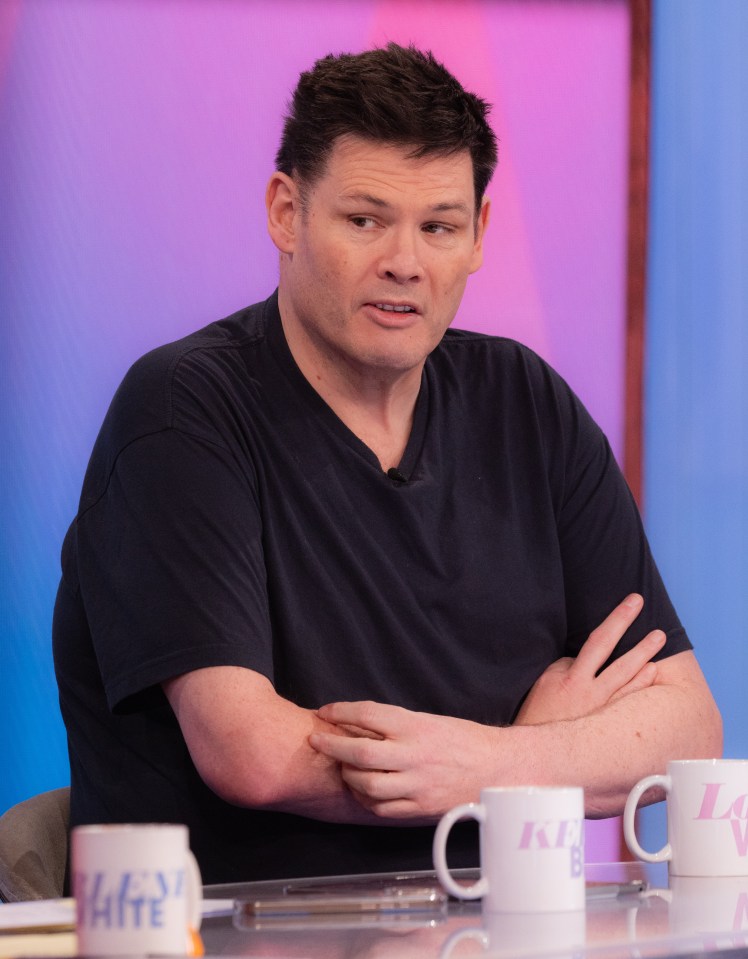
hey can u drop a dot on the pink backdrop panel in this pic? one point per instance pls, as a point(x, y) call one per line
point(136, 139)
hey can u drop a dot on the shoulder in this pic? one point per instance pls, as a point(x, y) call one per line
point(509, 390)
point(214, 352)
point(177, 386)
point(464, 348)
point(498, 367)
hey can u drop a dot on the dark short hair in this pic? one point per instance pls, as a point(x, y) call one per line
point(394, 95)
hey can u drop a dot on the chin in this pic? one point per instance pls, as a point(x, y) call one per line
point(402, 354)
point(394, 364)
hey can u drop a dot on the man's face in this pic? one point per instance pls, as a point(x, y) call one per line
point(377, 258)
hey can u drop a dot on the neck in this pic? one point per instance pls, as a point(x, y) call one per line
point(377, 405)
point(380, 418)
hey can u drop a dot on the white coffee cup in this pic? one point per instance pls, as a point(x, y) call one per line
point(137, 889)
point(531, 849)
point(707, 817)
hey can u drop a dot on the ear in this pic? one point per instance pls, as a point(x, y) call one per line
point(282, 202)
point(484, 214)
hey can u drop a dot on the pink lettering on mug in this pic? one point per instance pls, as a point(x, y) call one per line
point(714, 806)
point(561, 834)
point(550, 834)
point(741, 836)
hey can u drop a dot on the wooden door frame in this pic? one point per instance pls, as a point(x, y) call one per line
point(636, 260)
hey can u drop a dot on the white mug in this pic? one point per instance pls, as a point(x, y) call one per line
point(137, 890)
point(707, 817)
point(531, 849)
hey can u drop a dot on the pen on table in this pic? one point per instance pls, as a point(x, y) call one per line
point(615, 890)
point(429, 900)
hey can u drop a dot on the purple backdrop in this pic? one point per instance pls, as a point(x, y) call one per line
point(136, 138)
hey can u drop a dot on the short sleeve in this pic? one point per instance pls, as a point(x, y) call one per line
point(170, 565)
point(604, 548)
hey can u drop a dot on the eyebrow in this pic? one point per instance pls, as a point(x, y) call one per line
point(456, 207)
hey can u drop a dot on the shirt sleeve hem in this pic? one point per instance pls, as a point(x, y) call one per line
point(158, 671)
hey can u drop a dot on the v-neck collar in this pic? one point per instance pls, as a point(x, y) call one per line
point(327, 416)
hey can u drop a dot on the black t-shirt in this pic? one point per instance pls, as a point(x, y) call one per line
point(228, 517)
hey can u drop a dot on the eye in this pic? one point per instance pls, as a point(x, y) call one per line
point(363, 222)
point(437, 229)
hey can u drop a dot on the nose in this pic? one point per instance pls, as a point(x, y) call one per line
point(401, 258)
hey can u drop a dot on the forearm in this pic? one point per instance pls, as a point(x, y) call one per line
point(420, 764)
point(283, 773)
point(251, 746)
point(612, 748)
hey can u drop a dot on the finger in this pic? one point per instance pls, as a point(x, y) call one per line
point(376, 785)
point(398, 808)
point(645, 678)
point(603, 640)
point(626, 668)
point(403, 809)
point(378, 718)
point(358, 732)
point(362, 752)
point(362, 798)
point(333, 729)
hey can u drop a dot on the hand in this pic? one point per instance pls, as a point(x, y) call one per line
point(404, 764)
point(570, 688)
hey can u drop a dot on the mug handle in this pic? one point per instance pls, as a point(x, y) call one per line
point(629, 825)
point(469, 810)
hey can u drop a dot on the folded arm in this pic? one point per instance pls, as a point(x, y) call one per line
point(424, 764)
point(576, 728)
point(251, 746)
point(372, 763)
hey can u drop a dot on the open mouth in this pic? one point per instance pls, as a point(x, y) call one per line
point(391, 308)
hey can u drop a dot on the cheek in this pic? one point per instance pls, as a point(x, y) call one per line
point(319, 279)
point(451, 272)
point(450, 296)
point(453, 287)
point(341, 280)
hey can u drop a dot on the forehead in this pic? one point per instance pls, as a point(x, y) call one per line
point(358, 167)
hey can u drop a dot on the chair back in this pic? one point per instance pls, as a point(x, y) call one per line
point(34, 843)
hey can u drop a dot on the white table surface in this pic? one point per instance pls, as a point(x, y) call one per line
point(671, 917)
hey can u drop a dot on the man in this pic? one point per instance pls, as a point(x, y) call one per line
point(335, 566)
